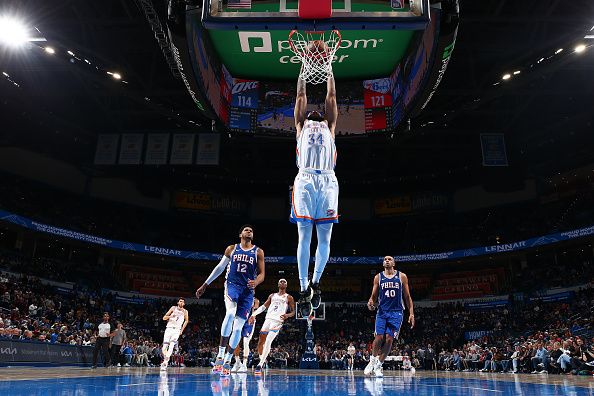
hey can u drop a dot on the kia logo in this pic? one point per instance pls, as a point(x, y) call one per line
point(8, 351)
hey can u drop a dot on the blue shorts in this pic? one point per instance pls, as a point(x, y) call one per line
point(243, 296)
point(248, 330)
point(388, 324)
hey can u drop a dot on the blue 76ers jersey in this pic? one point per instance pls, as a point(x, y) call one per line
point(242, 266)
point(390, 294)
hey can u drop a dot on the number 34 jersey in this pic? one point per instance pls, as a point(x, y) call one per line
point(315, 147)
point(242, 266)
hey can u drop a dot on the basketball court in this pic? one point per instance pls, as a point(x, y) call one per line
point(177, 381)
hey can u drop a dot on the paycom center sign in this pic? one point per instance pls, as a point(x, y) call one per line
point(267, 54)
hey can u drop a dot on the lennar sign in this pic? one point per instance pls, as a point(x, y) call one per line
point(262, 42)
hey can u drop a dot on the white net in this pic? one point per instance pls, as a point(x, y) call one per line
point(316, 53)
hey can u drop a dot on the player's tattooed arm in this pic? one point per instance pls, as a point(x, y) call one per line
point(331, 105)
point(371, 304)
point(300, 105)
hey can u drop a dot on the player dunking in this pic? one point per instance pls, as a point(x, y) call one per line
point(246, 334)
point(242, 261)
point(177, 320)
point(280, 306)
point(391, 286)
point(315, 191)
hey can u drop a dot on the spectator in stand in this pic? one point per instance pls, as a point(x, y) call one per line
point(128, 353)
point(540, 360)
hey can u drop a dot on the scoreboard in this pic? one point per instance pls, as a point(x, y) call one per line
point(245, 97)
point(377, 103)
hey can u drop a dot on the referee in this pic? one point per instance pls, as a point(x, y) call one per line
point(104, 333)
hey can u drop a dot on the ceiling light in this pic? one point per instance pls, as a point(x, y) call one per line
point(540, 60)
point(13, 32)
point(506, 76)
point(50, 50)
point(516, 72)
point(580, 48)
point(558, 51)
point(117, 76)
point(70, 53)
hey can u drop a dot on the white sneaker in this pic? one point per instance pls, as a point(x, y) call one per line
point(236, 366)
point(242, 368)
point(163, 366)
point(378, 369)
point(370, 365)
point(126, 365)
point(119, 365)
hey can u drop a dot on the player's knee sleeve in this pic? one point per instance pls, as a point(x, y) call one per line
point(227, 325)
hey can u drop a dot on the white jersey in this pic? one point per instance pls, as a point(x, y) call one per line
point(316, 148)
point(278, 306)
point(176, 319)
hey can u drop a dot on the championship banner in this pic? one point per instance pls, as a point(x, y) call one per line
point(206, 256)
point(208, 149)
point(182, 149)
point(493, 149)
point(392, 206)
point(157, 147)
point(131, 148)
point(107, 149)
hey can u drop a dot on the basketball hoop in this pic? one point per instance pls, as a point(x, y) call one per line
point(316, 53)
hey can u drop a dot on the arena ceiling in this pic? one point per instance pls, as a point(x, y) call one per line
point(546, 112)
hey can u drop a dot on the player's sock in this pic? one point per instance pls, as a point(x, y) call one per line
point(305, 231)
point(324, 234)
point(221, 352)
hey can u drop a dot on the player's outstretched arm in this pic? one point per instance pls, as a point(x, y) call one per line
point(263, 307)
point(218, 270)
point(408, 300)
point(374, 293)
point(291, 312)
point(300, 105)
point(331, 105)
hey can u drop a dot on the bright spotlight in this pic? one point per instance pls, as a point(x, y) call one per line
point(50, 50)
point(580, 48)
point(558, 51)
point(506, 76)
point(517, 72)
point(117, 76)
point(13, 32)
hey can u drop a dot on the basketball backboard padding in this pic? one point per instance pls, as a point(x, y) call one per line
point(315, 9)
